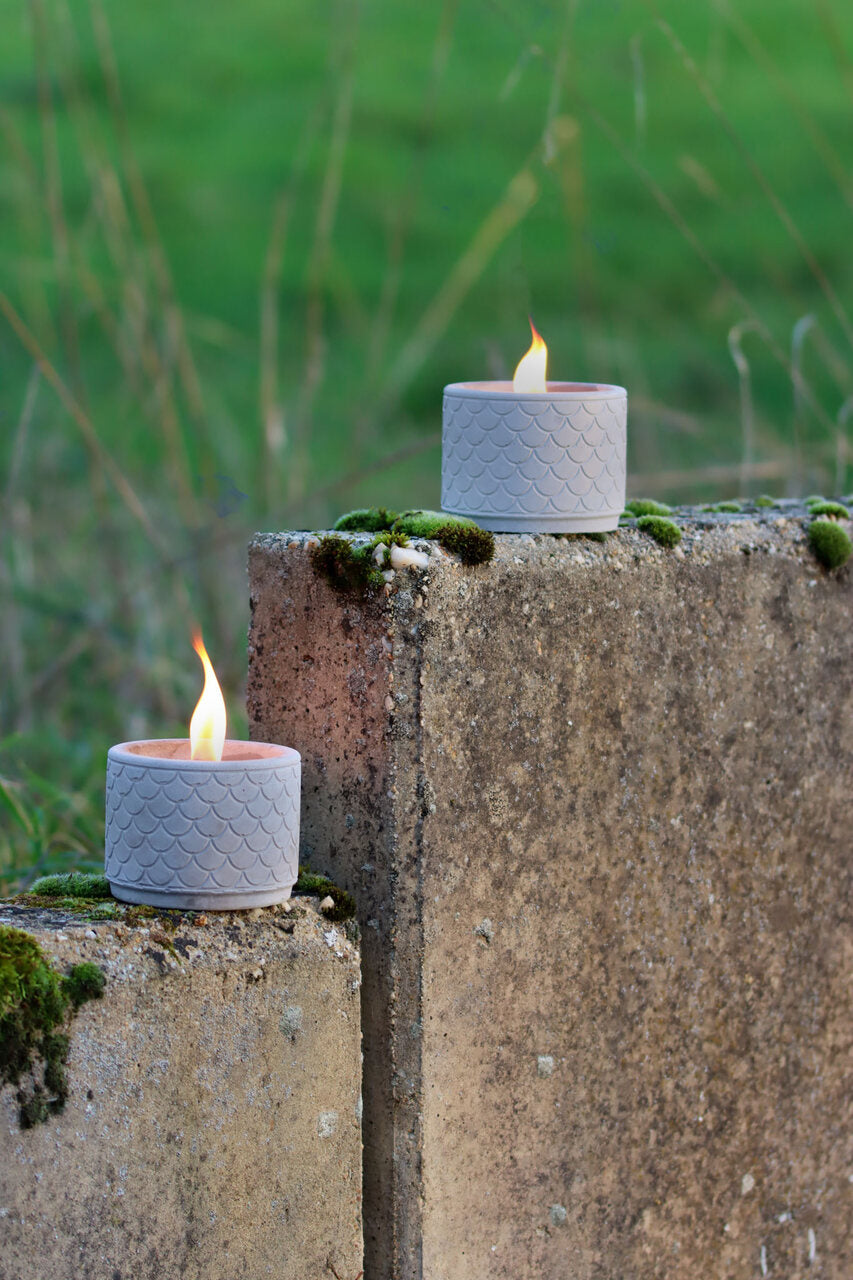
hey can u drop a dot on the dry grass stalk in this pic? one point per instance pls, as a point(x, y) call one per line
point(779, 207)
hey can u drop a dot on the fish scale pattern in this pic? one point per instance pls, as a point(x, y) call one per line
point(229, 831)
point(548, 459)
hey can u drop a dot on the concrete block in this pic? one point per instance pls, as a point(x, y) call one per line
point(594, 801)
point(213, 1125)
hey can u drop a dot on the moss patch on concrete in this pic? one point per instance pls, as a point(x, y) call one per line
point(321, 886)
point(387, 538)
point(36, 1004)
point(365, 519)
point(82, 892)
point(835, 509)
point(86, 908)
point(72, 884)
point(665, 532)
point(457, 534)
point(84, 982)
point(345, 566)
point(429, 524)
point(830, 543)
point(89, 896)
point(646, 507)
point(463, 538)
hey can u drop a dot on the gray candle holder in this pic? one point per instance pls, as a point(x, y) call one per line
point(202, 834)
point(545, 462)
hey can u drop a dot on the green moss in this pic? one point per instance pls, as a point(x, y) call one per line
point(812, 498)
point(830, 543)
point(646, 507)
point(462, 537)
point(133, 914)
point(345, 566)
point(32, 1001)
point(390, 538)
point(386, 539)
point(428, 524)
point(83, 982)
point(764, 500)
point(72, 884)
point(724, 507)
point(84, 893)
point(456, 534)
point(836, 509)
point(472, 546)
point(664, 531)
point(323, 887)
point(90, 908)
point(597, 535)
point(366, 520)
point(55, 1053)
point(34, 1004)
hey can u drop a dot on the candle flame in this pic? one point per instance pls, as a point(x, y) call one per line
point(207, 727)
point(530, 374)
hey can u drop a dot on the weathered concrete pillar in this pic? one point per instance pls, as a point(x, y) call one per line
point(212, 1129)
point(594, 801)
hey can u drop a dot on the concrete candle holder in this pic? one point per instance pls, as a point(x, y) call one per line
point(535, 462)
point(202, 834)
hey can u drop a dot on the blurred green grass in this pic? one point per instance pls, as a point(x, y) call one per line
point(252, 243)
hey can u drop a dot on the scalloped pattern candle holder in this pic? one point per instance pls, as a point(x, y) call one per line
point(552, 462)
point(201, 834)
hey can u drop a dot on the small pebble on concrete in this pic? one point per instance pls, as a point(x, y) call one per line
point(545, 1065)
point(485, 929)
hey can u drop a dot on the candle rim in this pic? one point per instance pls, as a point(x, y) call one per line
point(504, 388)
point(175, 752)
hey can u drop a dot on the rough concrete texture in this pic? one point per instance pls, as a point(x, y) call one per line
point(594, 801)
point(213, 1124)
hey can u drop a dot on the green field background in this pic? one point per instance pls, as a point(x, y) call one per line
point(243, 247)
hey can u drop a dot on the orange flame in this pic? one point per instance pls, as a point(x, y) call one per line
point(530, 374)
point(207, 727)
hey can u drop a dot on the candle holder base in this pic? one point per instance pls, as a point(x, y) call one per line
point(200, 901)
point(544, 524)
